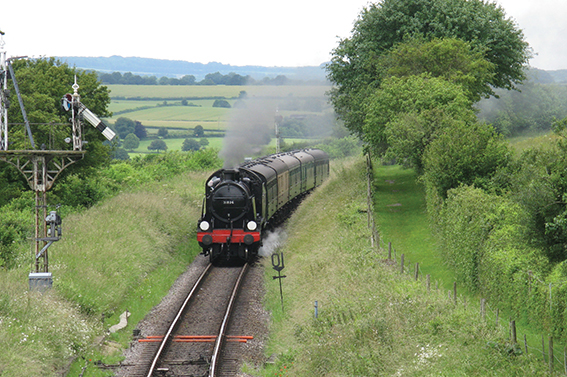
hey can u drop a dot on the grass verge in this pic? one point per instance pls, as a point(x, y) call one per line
point(122, 254)
point(372, 319)
point(401, 218)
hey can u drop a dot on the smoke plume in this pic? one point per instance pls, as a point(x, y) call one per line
point(247, 132)
point(272, 241)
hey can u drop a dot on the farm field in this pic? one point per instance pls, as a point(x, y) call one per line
point(218, 91)
point(175, 144)
point(160, 105)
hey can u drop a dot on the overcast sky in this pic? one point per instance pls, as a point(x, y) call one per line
point(245, 32)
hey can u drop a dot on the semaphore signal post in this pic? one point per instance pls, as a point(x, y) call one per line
point(41, 167)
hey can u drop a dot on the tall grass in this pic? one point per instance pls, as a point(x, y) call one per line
point(123, 253)
point(372, 321)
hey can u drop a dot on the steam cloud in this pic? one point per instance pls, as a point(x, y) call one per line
point(272, 241)
point(248, 130)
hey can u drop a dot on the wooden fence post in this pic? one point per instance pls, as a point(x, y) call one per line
point(543, 347)
point(513, 332)
point(416, 271)
point(455, 292)
point(550, 354)
point(402, 263)
point(389, 251)
point(497, 314)
point(428, 278)
point(482, 309)
point(526, 343)
point(565, 359)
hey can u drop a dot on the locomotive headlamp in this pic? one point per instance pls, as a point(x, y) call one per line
point(204, 226)
point(252, 225)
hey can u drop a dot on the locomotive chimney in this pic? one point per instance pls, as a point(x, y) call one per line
point(230, 175)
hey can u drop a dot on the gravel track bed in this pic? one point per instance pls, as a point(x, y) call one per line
point(251, 318)
point(203, 316)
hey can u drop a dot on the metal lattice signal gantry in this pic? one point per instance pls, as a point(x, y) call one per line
point(41, 169)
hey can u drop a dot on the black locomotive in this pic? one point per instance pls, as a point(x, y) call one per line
point(241, 203)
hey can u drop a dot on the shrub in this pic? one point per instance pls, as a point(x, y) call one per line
point(190, 145)
point(464, 154)
point(221, 103)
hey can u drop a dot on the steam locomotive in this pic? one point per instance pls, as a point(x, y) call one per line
point(241, 203)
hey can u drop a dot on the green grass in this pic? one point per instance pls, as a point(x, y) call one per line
point(175, 144)
point(539, 140)
point(373, 321)
point(205, 91)
point(204, 113)
point(401, 217)
point(121, 254)
point(121, 105)
point(124, 253)
point(180, 117)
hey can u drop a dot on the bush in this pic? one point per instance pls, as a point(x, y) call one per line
point(131, 142)
point(464, 154)
point(157, 145)
point(15, 227)
point(221, 103)
point(339, 148)
point(190, 145)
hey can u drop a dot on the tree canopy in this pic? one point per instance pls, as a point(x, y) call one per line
point(157, 145)
point(405, 114)
point(451, 59)
point(131, 142)
point(190, 145)
point(124, 126)
point(42, 84)
point(356, 67)
point(199, 131)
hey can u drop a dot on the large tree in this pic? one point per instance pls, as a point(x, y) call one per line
point(355, 67)
point(407, 113)
point(131, 142)
point(124, 126)
point(42, 83)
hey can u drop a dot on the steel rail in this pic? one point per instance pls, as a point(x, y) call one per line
point(167, 336)
point(220, 337)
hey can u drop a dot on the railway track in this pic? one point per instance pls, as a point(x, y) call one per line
point(197, 343)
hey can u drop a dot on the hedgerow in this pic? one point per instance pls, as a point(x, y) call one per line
point(78, 191)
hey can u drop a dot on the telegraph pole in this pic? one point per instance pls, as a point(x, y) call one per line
point(278, 119)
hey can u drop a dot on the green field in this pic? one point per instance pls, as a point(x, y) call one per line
point(214, 142)
point(208, 91)
point(146, 103)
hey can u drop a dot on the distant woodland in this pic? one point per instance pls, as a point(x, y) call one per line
point(177, 69)
point(216, 78)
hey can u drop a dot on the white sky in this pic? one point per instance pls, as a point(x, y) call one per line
point(244, 32)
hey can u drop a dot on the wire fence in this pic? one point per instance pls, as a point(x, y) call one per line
point(553, 354)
